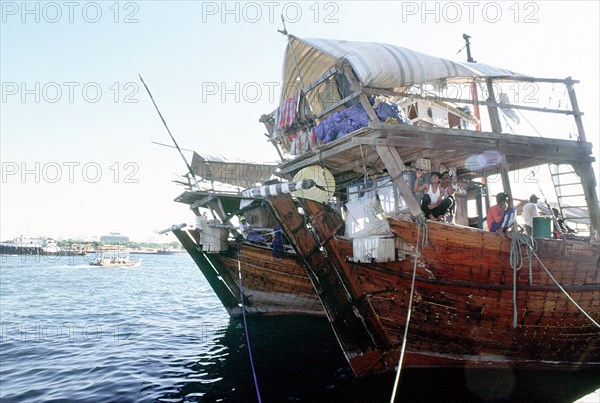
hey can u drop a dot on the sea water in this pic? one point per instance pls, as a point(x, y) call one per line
point(157, 332)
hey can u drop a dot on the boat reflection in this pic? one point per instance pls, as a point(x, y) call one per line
point(298, 359)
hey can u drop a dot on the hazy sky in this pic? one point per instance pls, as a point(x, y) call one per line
point(77, 126)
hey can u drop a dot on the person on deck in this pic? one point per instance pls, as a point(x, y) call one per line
point(561, 229)
point(500, 218)
point(449, 191)
point(433, 203)
point(248, 233)
point(530, 210)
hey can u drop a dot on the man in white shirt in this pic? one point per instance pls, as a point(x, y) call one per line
point(529, 211)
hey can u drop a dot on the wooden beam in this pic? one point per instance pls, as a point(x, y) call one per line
point(324, 151)
point(483, 103)
point(356, 86)
point(203, 202)
point(338, 104)
point(566, 151)
point(331, 71)
point(588, 182)
point(395, 167)
point(493, 109)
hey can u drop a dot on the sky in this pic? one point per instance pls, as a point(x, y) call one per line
point(77, 127)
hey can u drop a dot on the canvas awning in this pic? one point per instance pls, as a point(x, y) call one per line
point(231, 171)
point(377, 65)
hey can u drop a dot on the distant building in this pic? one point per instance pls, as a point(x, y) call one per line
point(114, 237)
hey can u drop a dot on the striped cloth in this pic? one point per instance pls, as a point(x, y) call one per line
point(278, 188)
point(287, 112)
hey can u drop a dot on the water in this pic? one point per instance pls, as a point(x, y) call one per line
point(158, 333)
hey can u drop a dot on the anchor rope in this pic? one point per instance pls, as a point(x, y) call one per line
point(421, 222)
point(246, 327)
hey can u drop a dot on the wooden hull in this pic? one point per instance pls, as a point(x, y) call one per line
point(271, 286)
point(462, 314)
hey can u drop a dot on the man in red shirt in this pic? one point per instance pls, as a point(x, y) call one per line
point(499, 218)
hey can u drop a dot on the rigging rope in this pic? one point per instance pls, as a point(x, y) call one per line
point(421, 222)
point(516, 262)
point(246, 326)
point(565, 292)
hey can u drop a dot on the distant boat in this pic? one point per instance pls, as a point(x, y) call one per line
point(116, 262)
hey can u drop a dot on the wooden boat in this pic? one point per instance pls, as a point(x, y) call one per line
point(271, 285)
point(104, 261)
point(471, 307)
point(273, 282)
point(357, 119)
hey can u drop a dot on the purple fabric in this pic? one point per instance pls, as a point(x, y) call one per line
point(341, 123)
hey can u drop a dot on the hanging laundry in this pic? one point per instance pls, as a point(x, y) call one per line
point(287, 112)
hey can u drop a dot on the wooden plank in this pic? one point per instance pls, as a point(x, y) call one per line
point(564, 151)
point(392, 130)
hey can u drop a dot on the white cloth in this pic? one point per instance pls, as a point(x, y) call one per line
point(434, 196)
point(529, 211)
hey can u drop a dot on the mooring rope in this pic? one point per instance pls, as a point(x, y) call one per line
point(516, 262)
point(421, 222)
point(565, 292)
point(246, 326)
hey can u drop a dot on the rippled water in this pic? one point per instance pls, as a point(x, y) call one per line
point(157, 332)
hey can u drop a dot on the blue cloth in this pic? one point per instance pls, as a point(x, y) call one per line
point(277, 244)
point(507, 220)
point(343, 122)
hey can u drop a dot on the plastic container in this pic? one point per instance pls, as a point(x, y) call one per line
point(542, 227)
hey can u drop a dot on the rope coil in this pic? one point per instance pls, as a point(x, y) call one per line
point(516, 262)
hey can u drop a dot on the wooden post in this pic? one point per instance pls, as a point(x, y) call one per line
point(393, 163)
point(362, 98)
point(493, 109)
point(497, 129)
point(584, 170)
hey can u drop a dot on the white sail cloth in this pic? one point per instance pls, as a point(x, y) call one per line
point(377, 65)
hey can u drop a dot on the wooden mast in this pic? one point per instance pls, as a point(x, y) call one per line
point(584, 169)
point(497, 129)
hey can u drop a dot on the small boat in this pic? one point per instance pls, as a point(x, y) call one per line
point(116, 261)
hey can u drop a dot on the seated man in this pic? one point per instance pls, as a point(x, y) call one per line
point(499, 218)
point(433, 203)
point(248, 233)
point(561, 229)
